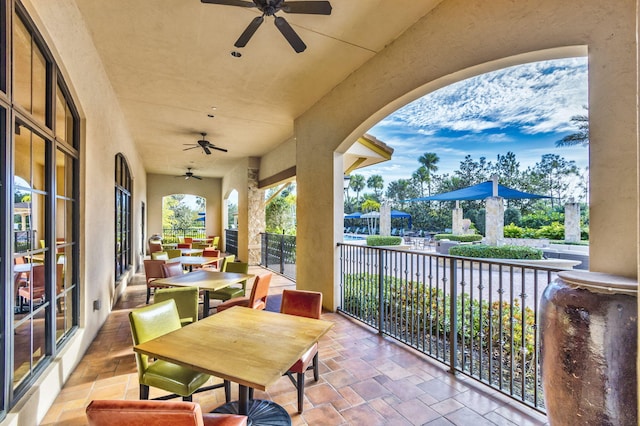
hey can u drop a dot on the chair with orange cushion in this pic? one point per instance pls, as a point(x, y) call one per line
point(154, 247)
point(210, 252)
point(258, 298)
point(35, 290)
point(152, 271)
point(188, 240)
point(158, 413)
point(184, 245)
point(172, 269)
point(304, 304)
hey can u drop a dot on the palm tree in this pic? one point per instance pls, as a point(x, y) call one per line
point(581, 137)
point(357, 184)
point(429, 160)
point(376, 183)
point(421, 175)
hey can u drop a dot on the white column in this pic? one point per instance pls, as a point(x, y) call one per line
point(385, 219)
point(494, 225)
point(456, 220)
point(572, 222)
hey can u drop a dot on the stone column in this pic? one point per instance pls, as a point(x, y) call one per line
point(494, 225)
point(256, 213)
point(456, 220)
point(385, 219)
point(572, 222)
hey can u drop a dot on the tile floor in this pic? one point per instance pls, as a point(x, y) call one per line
point(365, 380)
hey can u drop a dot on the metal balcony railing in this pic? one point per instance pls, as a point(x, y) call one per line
point(278, 253)
point(479, 317)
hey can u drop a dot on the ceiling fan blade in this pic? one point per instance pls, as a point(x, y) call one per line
point(219, 149)
point(310, 7)
point(206, 150)
point(240, 3)
point(294, 40)
point(196, 177)
point(249, 31)
point(185, 149)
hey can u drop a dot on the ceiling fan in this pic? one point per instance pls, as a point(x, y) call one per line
point(205, 145)
point(270, 8)
point(190, 175)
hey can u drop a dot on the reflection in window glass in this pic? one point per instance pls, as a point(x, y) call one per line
point(21, 65)
point(39, 82)
point(37, 162)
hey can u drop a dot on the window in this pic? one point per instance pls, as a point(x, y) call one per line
point(123, 216)
point(39, 202)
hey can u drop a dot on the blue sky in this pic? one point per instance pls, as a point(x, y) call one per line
point(524, 109)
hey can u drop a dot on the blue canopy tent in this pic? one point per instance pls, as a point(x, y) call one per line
point(354, 215)
point(480, 192)
point(395, 214)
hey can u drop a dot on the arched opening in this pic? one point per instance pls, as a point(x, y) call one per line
point(183, 215)
point(527, 123)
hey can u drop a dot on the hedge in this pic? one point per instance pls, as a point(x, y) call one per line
point(466, 238)
point(377, 240)
point(493, 252)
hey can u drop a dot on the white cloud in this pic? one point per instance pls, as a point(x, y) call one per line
point(540, 97)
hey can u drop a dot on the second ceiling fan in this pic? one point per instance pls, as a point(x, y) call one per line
point(270, 8)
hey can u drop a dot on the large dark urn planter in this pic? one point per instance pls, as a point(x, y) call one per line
point(589, 329)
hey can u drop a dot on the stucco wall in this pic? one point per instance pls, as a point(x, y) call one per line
point(238, 179)
point(159, 186)
point(459, 39)
point(102, 139)
point(278, 160)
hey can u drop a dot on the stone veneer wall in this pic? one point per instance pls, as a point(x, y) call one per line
point(256, 219)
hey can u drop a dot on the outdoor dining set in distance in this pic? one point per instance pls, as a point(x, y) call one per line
point(178, 350)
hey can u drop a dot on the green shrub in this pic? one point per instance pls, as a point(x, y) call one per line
point(512, 231)
point(493, 252)
point(467, 238)
point(419, 308)
point(555, 231)
point(377, 240)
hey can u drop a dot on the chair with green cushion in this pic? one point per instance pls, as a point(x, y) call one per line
point(159, 255)
point(171, 253)
point(186, 299)
point(227, 259)
point(234, 291)
point(215, 242)
point(153, 321)
point(200, 246)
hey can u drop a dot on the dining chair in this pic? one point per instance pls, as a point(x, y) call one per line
point(186, 299)
point(160, 255)
point(172, 269)
point(232, 291)
point(304, 304)
point(155, 247)
point(148, 323)
point(104, 412)
point(184, 245)
point(215, 242)
point(171, 253)
point(188, 240)
point(200, 246)
point(152, 271)
point(35, 288)
point(258, 298)
point(210, 252)
point(227, 259)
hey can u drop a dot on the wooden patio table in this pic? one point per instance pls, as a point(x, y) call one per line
point(204, 280)
point(197, 261)
point(251, 347)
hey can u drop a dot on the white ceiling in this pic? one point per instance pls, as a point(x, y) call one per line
point(170, 63)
